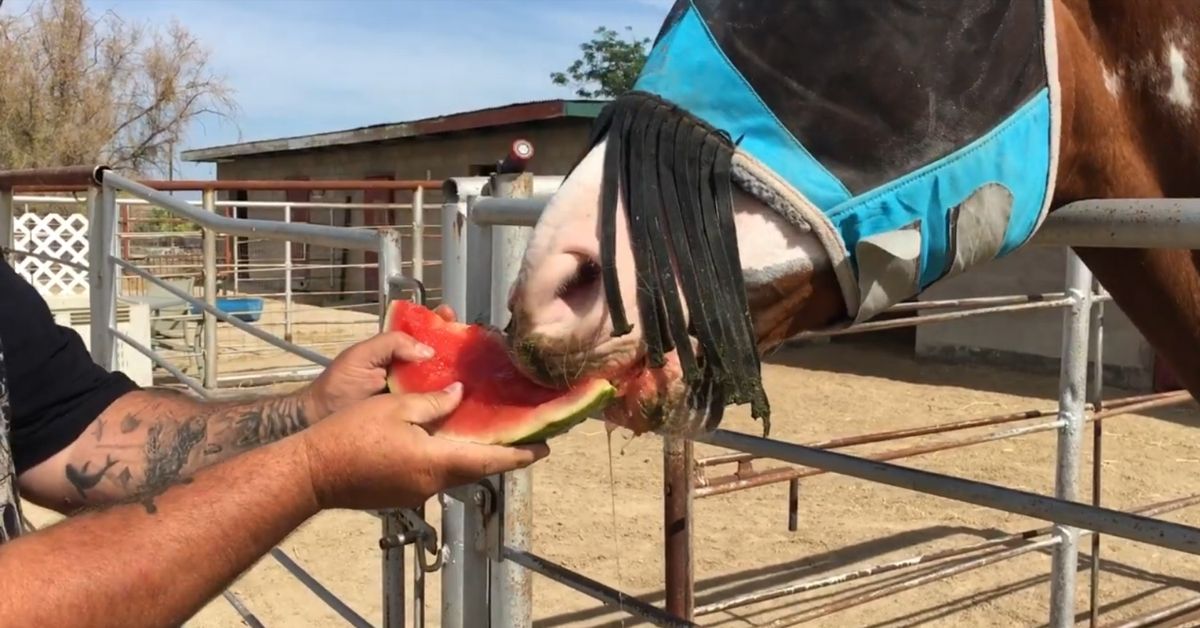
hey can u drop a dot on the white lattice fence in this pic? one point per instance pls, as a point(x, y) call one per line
point(63, 236)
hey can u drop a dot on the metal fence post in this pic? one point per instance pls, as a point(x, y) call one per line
point(418, 234)
point(102, 283)
point(208, 198)
point(235, 261)
point(678, 461)
point(1072, 396)
point(393, 572)
point(287, 278)
point(390, 260)
point(7, 220)
point(466, 252)
point(511, 585)
point(1095, 395)
point(466, 283)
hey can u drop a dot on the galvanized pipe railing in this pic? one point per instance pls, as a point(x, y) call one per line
point(78, 179)
point(1069, 513)
point(105, 268)
point(1136, 403)
point(809, 584)
point(321, 235)
point(212, 223)
point(1141, 225)
point(1146, 223)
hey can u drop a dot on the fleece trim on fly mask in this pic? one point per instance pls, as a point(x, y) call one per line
point(915, 139)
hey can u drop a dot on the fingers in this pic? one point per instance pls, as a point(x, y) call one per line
point(422, 409)
point(394, 345)
point(468, 462)
point(382, 349)
point(446, 312)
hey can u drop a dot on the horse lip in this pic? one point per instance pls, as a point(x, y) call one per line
point(532, 362)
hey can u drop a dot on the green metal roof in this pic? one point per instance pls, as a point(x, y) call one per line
point(516, 113)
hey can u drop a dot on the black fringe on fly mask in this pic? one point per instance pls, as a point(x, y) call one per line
point(680, 209)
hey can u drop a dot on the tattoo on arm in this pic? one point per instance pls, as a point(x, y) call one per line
point(164, 436)
point(129, 423)
point(83, 480)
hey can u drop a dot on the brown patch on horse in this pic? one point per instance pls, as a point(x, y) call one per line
point(794, 303)
point(1136, 143)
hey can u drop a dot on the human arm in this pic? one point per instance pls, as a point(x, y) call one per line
point(157, 562)
point(125, 566)
point(145, 440)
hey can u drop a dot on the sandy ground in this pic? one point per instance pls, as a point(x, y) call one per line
point(742, 543)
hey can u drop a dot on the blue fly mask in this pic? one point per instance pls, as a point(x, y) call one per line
point(914, 139)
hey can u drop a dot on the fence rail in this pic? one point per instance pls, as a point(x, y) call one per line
point(262, 267)
point(105, 268)
point(483, 553)
point(1141, 224)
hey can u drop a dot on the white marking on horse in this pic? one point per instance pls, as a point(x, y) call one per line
point(1112, 80)
point(1180, 91)
point(770, 248)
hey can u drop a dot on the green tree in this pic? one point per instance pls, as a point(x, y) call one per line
point(609, 63)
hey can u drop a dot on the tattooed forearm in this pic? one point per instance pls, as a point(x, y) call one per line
point(271, 422)
point(166, 457)
point(82, 480)
point(157, 438)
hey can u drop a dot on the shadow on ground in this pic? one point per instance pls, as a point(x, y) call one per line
point(799, 609)
point(895, 361)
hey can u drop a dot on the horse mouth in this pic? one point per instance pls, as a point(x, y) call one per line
point(556, 364)
point(646, 397)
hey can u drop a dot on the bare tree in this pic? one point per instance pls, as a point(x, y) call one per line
point(77, 89)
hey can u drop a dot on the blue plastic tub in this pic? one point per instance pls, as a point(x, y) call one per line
point(246, 309)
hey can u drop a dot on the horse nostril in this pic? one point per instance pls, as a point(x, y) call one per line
point(589, 271)
point(586, 275)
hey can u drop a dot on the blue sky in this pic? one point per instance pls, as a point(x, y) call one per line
point(308, 66)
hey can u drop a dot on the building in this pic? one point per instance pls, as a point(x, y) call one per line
point(456, 145)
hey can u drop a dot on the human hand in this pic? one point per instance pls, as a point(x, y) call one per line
point(378, 454)
point(361, 371)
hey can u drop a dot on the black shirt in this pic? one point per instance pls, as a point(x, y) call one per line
point(55, 390)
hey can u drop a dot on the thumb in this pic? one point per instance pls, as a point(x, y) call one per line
point(426, 408)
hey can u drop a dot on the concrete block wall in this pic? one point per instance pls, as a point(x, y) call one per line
point(1029, 340)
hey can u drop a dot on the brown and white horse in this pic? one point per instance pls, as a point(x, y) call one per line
point(1130, 128)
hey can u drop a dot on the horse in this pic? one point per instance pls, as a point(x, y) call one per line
point(783, 166)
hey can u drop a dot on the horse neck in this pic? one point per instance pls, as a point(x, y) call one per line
point(794, 303)
point(1130, 101)
point(1131, 114)
point(790, 283)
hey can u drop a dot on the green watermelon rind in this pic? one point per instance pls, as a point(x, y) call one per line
point(572, 408)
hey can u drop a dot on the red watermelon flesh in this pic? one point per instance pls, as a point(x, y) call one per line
point(500, 405)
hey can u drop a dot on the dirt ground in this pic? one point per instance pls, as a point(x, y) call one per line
point(742, 543)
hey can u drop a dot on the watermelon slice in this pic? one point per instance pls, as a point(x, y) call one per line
point(500, 406)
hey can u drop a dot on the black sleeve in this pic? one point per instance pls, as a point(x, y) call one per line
point(55, 389)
